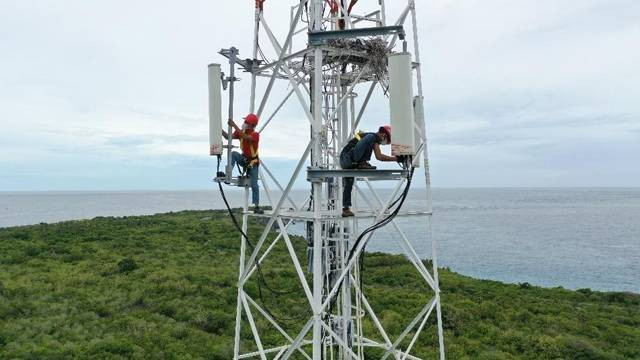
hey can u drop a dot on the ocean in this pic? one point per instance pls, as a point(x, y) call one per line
point(569, 237)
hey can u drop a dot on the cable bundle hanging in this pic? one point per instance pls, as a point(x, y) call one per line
point(400, 201)
point(261, 279)
point(387, 219)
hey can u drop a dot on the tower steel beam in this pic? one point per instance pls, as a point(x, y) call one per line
point(325, 77)
point(323, 37)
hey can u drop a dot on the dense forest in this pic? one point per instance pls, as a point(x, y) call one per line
point(164, 287)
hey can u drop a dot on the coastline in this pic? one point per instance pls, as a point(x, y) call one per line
point(166, 283)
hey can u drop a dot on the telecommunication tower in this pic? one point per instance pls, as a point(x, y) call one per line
point(332, 48)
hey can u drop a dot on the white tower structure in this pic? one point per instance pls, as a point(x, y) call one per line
point(332, 49)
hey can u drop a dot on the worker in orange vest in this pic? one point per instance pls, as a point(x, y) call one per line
point(248, 159)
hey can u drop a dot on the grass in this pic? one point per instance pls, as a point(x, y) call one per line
point(163, 287)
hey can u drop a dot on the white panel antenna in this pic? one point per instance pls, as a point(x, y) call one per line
point(215, 109)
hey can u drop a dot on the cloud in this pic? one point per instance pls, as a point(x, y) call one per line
point(517, 93)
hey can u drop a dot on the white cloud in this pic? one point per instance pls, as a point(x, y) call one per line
point(127, 82)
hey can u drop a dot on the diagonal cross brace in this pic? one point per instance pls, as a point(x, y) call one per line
point(282, 53)
point(276, 211)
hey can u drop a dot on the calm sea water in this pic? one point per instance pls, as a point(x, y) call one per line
point(575, 238)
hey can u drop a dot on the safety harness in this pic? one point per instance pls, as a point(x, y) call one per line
point(345, 154)
point(353, 142)
point(254, 160)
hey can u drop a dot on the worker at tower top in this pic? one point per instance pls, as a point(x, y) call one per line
point(248, 159)
point(356, 155)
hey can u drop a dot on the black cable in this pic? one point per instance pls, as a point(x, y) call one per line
point(394, 202)
point(261, 279)
point(258, 268)
point(401, 199)
point(235, 222)
point(374, 227)
point(386, 220)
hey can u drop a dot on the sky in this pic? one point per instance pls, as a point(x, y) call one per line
point(112, 95)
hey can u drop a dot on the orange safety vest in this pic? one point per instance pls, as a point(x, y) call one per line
point(254, 160)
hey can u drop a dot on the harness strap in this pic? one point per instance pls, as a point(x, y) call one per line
point(352, 144)
point(348, 148)
point(254, 153)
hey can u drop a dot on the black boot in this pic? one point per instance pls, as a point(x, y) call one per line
point(346, 212)
point(366, 166)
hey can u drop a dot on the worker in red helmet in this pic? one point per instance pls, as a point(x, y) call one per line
point(249, 139)
point(356, 155)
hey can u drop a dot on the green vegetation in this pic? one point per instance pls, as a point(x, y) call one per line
point(163, 287)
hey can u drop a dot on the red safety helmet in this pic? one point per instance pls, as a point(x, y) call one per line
point(386, 129)
point(251, 119)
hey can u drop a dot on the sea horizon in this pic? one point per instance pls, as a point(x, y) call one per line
point(303, 188)
point(544, 236)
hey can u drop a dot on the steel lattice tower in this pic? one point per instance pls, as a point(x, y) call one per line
point(323, 77)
